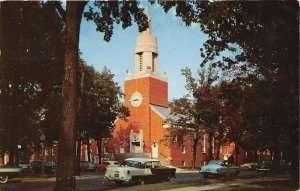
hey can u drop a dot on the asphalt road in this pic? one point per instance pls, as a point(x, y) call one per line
point(87, 182)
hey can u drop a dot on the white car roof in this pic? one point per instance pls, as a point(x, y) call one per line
point(143, 160)
point(110, 161)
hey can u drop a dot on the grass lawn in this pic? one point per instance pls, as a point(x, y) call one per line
point(279, 185)
point(165, 185)
point(282, 185)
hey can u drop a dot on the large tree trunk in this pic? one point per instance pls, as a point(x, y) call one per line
point(99, 144)
point(218, 150)
point(236, 148)
point(17, 157)
point(210, 142)
point(195, 143)
point(11, 155)
point(78, 154)
point(66, 169)
point(277, 154)
point(88, 149)
point(255, 158)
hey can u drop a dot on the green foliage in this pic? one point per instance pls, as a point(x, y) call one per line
point(100, 103)
point(199, 114)
point(261, 45)
point(31, 62)
point(116, 12)
point(257, 43)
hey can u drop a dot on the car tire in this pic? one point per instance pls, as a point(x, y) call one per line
point(168, 179)
point(142, 182)
point(3, 179)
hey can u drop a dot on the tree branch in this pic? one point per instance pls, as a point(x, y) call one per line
point(60, 10)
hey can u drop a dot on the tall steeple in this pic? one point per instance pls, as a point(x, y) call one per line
point(148, 30)
point(146, 52)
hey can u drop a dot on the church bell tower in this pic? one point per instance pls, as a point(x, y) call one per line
point(147, 81)
point(145, 87)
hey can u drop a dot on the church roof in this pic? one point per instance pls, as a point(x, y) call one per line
point(163, 112)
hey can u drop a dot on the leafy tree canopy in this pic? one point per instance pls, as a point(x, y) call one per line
point(31, 65)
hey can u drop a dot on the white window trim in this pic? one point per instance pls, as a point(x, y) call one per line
point(203, 144)
point(213, 144)
point(183, 148)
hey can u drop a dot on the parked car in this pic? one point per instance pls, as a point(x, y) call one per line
point(25, 167)
point(139, 170)
point(219, 168)
point(268, 166)
point(265, 166)
point(102, 167)
point(7, 172)
point(36, 166)
point(249, 166)
point(87, 166)
point(285, 166)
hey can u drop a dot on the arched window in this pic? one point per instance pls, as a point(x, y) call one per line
point(203, 146)
point(183, 148)
point(122, 148)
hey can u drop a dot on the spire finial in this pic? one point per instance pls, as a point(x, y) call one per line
point(148, 30)
point(146, 11)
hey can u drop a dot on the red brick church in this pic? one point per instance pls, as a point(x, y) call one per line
point(142, 135)
point(146, 96)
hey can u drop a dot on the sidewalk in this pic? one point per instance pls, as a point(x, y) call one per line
point(49, 178)
point(227, 184)
point(184, 170)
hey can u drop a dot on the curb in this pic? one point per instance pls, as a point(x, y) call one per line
point(214, 186)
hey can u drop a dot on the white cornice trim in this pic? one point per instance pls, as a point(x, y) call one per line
point(139, 76)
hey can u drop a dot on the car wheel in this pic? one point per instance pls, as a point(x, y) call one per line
point(205, 175)
point(3, 179)
point(168, 179)
point(119, 182)
point(141, 181)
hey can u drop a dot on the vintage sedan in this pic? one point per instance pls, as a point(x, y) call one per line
point(139, 170)
point(25, 167)
point(8, 172)
point(219, 168)
point(36, 166)
point(248, 166)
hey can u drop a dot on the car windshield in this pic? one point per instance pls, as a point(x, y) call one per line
point(152, 164)
point(215, 162)
point(131, 163)
point(50, 163)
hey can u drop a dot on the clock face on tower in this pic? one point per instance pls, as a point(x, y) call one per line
point(136, 99)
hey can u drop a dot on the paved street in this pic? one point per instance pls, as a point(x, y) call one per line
point(85, 182)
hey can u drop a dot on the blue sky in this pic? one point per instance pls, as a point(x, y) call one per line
point(178, 47)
